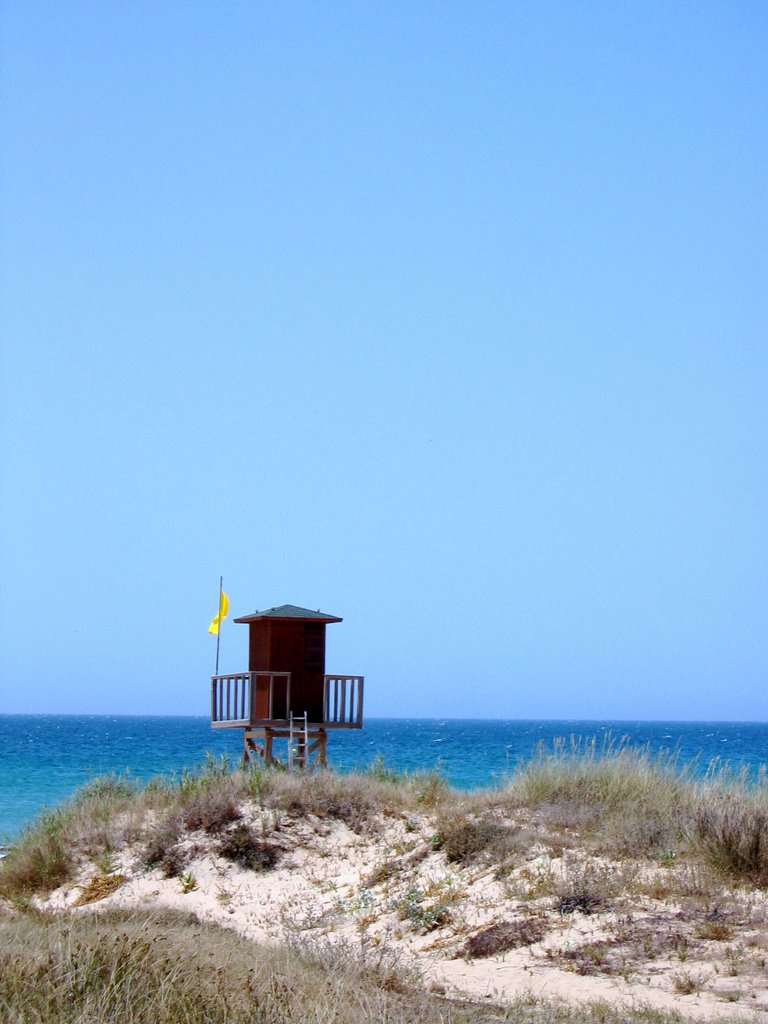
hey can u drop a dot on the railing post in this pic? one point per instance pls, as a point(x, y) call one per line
point(360, 701)
point(251, 697)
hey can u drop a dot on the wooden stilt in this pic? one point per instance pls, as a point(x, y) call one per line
point(307, 747)
point(258, 747)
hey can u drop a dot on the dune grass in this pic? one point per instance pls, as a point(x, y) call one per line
point(141, 968)
point(617, 801)
point(632, 803)
point(149, 967)
point(110, 813)
point(604, 810)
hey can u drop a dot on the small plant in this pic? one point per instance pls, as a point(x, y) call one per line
point(687, 983)
point(188, 882)
point(214, 771)
point(532, 882)
point(364, 900)
point(735, 957)
point(388, 868)
point(381, 772)
point(257, 781)
point(105, 861)
point(431, 787)
point(681, 947)
point(423, 916)
point(223, 896)
point(715, 929)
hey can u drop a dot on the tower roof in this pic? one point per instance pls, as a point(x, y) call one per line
point(290, 611)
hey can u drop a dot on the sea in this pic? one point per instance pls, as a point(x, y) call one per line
point(45, 759)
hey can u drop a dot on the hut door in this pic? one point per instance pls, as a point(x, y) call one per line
point(314, 669)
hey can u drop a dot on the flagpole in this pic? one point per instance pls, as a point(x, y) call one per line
point(218, 631)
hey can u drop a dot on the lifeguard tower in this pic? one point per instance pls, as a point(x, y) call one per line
point(286, 694)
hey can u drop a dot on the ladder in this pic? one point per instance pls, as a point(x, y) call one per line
point(297, 754)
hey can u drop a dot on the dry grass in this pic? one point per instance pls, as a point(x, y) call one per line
point(568, 842)
point(139, 968)
point(110, 813)
point(98, 888)
point(729, 827)
point(624, 798)
point(357, 799)
point(618, 802)
point(464, 837)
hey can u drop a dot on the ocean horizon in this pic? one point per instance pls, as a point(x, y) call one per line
point(44, 759)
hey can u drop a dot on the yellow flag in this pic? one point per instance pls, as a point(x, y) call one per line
point(218, 619)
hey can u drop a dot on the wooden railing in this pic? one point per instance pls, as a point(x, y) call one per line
point(238, 699)
point(233, 697)
point(343, 700)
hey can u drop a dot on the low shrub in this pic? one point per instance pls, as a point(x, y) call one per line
point(368, 967)
point(687, 983)
point(386, 870)
point(648, 832)
point(424, 914)
point(463, 837)
point(587, 887)
point(505, 935)
point(715, 930)
point(162, 848)
point(242, 846)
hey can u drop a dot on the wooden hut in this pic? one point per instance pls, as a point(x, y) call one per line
point(286, 693)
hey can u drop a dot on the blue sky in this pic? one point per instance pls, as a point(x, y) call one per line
point(449, 319)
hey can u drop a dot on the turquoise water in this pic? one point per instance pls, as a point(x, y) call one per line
point(45, 758)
